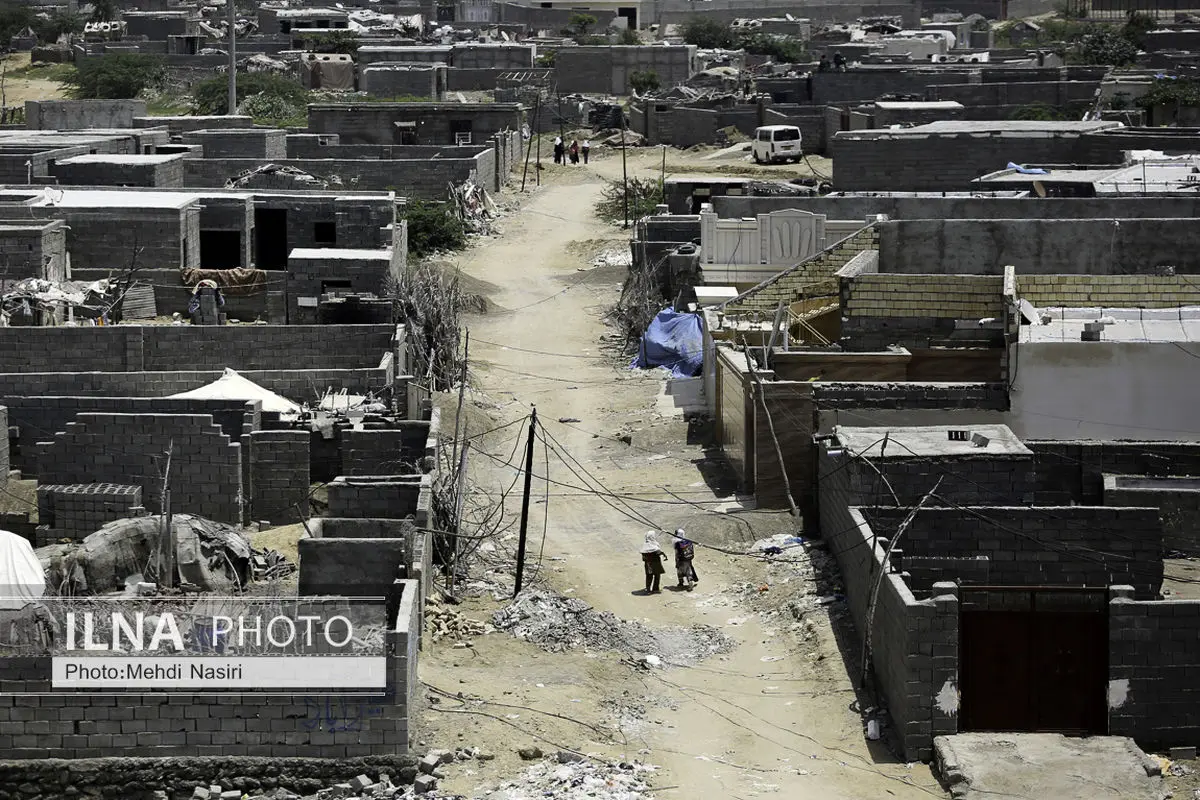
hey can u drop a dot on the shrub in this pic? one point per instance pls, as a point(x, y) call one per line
point(644, 195)
point(57, 24)
point(644, 81)
point(343, 42)
point(784, 51)
point(1105, 46)
point(1179, 92)
point(432, 227)
point(119, 76)
point(582, 22)
point(1038, 111)
point(211, 97)
point(628, 36)
point(707, 34)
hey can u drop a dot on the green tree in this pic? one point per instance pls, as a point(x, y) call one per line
point(14, 17)
point(432, 227)
point(343, 42)
point(581, 23)
point(644, 81)
point(628, 36)
point(119, 76)
point(59, 23)
point(103, 10)
point(782, 50)
point(707, 33)
point(644, 195)
point(1105, 46)
point(211, 97)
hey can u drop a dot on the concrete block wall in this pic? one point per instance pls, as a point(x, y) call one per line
point(1072, 472)
point(905, 630)
point(373, 123)
point(279, 475)
point(883, 310)
point(180, 125)
point(75, 115)
point(77, 511)
point(240, 143)
point(109, 238)
point(206, 467)
point(1059, 94)
point(154, 171)
point(890, 395)
point(1044, 246)
point(934, 162)
point(397, 80)
point(172, 295)
point(1178, 508)
point(966, 480)
point(1109, 291)
point(352, 567)
point(1153, 656)
point(1042, 546)
point(326, 723)
point(394, 497)
point(135, 348)
point(804, 278)
point(33, 250)
point(606, 69)
point(861, 85)
point(405, 450)
point(790, 406)
point(309, 270)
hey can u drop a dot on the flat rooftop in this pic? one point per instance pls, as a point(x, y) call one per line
point(1168, 325)
point(52, 197)
point(1072, 174)
point(341, 253)
point(919, 105)
point(933, 440)
point(956, 127)
point(118, 158)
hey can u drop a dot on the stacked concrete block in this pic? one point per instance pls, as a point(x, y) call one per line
point(76, 511)
point(1109, 291)
point(206, 465)
point(436, 123)
point(909, 395)
point(34, 250)
point(379, 496)
point(311, 271)
point(883, 310)
point(404, 450)
point(240, 142)
point(279, 475)
point(179, 125)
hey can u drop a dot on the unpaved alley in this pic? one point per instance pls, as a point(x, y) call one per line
point(776, 713)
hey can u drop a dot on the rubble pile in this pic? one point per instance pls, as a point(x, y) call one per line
point(575, 780)
point(474, 206)
point(444, 623)
point(556, 623)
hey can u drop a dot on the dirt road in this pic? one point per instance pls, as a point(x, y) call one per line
point(777, 714)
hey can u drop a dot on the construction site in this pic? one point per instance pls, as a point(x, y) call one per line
point(504, 400)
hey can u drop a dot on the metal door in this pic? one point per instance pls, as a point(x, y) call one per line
point(1033, 660)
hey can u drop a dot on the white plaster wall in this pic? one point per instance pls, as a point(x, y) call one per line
point(1106, 390)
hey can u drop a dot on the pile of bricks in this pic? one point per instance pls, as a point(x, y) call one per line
point(75, 511)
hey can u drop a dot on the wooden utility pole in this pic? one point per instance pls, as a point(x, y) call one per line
point(537, 106)
point(624, 169)
point(166, 537)
point(462, 387)
point(525, 503)
point(459, 501)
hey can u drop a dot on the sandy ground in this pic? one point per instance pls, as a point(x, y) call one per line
point(776, 716)
point(19, 89)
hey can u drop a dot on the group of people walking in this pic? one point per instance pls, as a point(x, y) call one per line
point(563, 151)
point(653, 558)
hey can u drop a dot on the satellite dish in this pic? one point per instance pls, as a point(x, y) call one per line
point(1039, 188)
point(504, 36)
point(789, 17)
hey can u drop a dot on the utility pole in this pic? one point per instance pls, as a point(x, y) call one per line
point(166, 537)
point(462, 387)
point(624, 170)
point(232, 6)
point(525, 502)
point(459, 502)
point(537, 121)
point(537, 105)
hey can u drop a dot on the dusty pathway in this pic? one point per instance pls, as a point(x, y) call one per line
point(775, 715)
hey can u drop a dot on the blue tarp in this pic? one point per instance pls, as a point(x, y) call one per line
point(675, 341)
point(1026, 170)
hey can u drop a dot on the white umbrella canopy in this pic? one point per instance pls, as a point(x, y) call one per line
point(232, 386)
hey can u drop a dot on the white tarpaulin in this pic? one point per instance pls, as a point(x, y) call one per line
point(22, 581)
point(232, 386)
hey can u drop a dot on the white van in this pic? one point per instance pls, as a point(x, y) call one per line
point(776, 143)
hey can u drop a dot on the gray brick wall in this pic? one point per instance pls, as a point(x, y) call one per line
point(134, 348)
point(889, 395)
point(151, 172)
point(372, 123)
point(388, 452)
point(1073, 472)
point(1179, 510)
point(206, 468)
point(309, 272)
point(279, 475)
point(375, 496)
point(1153, 659)
point(1051, 546)
point(240, 143)
point(352, 567)
point(5, 463)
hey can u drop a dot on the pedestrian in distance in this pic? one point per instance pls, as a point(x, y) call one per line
point(574, 151)
point(559, 150)
point(652, 562)
point(823, 65)
point(685, 551)
point(839, 62)
point(585, 149)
